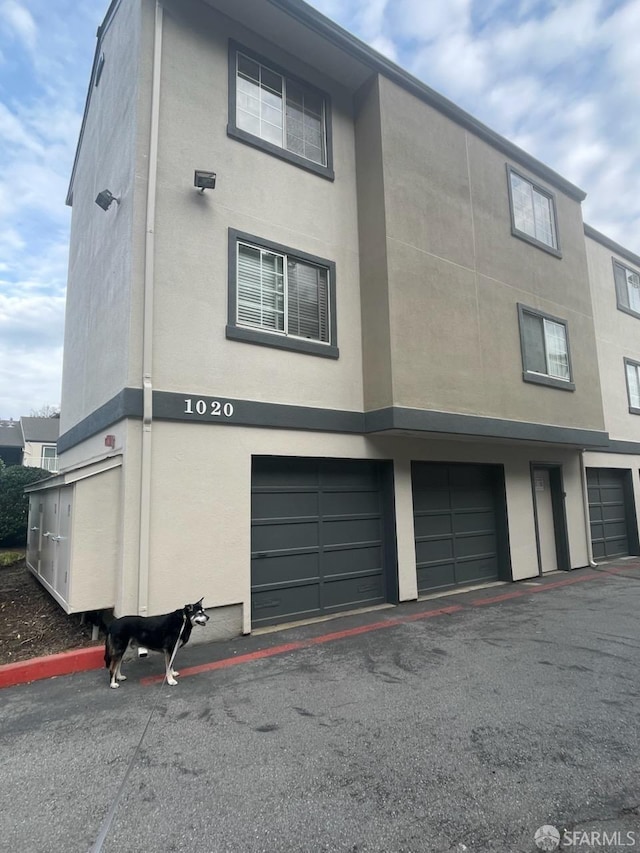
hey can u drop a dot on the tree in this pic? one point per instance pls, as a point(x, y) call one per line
point(14, 504)
point(46, 411)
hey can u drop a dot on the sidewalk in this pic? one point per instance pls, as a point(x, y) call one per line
point(212, 656)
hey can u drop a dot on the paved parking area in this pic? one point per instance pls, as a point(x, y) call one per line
point(439, 731)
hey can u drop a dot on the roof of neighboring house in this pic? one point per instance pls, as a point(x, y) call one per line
point(11, 434)
point(45, 430)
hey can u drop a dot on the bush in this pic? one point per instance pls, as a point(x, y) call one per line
point(14, 504)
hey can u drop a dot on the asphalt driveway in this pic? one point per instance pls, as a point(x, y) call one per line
point(464, 723)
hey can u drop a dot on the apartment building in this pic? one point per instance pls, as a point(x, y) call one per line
point(330, 341)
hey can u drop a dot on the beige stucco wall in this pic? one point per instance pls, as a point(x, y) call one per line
point(256, 193)
point(102, 325)
point(201, 504)
point(618, 336)
point(456, 274)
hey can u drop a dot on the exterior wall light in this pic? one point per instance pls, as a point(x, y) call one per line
point(105, 198)
point(204, 180)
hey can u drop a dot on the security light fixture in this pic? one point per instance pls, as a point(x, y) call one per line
point(204, 180)
point(104, 199)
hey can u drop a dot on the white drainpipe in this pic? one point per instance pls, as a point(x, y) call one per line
point(147, 325)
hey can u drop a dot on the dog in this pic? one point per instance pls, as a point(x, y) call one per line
point(158, 633)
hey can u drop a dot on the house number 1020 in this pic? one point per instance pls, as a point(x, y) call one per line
point(214, 408)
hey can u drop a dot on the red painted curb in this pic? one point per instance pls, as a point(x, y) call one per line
point(65, 663)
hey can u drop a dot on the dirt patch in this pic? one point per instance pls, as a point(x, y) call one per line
point(32, 624)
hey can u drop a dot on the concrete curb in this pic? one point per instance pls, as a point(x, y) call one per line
point(65, 663)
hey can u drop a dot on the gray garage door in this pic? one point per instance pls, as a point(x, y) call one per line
point(316, 537)
point(457, 524)
point(609, 512)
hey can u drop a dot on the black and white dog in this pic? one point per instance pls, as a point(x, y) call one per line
point(158, 633)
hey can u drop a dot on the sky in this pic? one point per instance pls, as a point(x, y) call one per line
point(559, 78)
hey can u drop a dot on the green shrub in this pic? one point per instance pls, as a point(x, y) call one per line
point(14, 504)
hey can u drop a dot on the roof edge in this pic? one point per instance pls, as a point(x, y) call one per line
point(327, 28)
point(611, 244)
point(96, 56)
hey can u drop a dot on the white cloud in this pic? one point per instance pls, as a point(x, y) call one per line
point(18, 20)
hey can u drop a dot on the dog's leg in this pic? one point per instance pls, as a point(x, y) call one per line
point(119, 675)
point(171, 673)
point(114, 668)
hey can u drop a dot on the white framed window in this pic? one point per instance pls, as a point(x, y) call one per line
point(545, 349)
point(627, 288)
point(280, 297)
point(632, 369)
point(49, 458)
point(273, 110)
point(533, 212)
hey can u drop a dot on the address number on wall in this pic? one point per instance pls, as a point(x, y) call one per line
point(212, 408)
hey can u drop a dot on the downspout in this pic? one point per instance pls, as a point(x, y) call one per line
point(585, 507)
point(147, 324)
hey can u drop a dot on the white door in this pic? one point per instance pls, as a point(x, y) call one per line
point(546, 526)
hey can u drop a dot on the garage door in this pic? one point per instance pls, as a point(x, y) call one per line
point(610, 512)
point(316, 537)
point(458, 531)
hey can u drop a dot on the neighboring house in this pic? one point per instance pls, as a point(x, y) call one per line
point(361, 369)
point(11, 442)
point(31, 442)
point(40, 442)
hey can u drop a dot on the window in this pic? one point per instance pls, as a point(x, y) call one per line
point(533, 214)
point(270, 109)
point(545, 349)
point(627, 288)
point(632, 369)
point(280, 297)
point(49, 459)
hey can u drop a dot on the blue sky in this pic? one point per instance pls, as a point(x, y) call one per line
point(560, 79)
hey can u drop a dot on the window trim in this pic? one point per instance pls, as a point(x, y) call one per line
point(542, 378)
point(633, 410)
point(236, 332)
point(255, 141)
point(621, 307)
point(522, 235)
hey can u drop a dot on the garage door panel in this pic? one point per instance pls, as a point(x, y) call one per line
point(459, 543)
point(315, 548)
point(433, 525)
point(430, 548)
point(285, 472)
point(339, 531)
point(467, 546)
point(610, 511)
point(351, 503)
point(277, 537)
point(468, 522)
point(436, 577)
point(285, 568)
point(267, 605)
point(352, 592)
point(275, 504)
point(341, 561)
point(475, 571)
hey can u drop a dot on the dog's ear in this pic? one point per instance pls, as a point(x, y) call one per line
point(200, 602)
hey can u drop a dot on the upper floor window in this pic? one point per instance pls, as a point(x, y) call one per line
point(279, 113)
point(627, 288)
point(545, 349)
point(533, 213)
point(280, 297)
point(632, 369)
